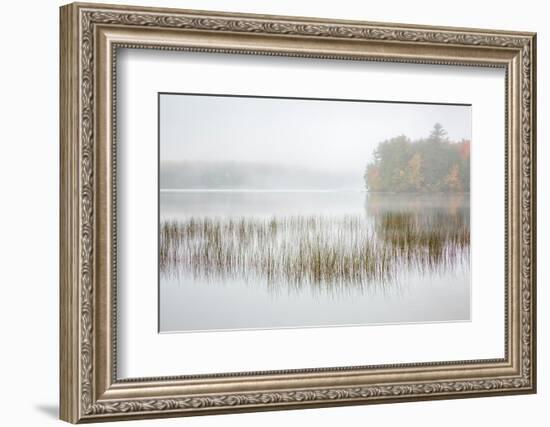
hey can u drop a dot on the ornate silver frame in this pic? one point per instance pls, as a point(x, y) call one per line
point(90, 36)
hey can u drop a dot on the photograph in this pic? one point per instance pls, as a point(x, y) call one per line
point(279, 212)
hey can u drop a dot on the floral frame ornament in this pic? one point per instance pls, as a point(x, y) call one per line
point(90, 36)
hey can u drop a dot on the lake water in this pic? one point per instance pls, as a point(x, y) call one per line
point(280, 259)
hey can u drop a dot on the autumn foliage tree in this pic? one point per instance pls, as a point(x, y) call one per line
point(427, 165)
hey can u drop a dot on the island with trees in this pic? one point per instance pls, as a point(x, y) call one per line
point(433, 164)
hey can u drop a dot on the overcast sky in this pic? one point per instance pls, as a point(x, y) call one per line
point(334, 136)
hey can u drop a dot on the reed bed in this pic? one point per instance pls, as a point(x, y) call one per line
point(315, 250)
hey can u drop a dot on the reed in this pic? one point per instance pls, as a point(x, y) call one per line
point(316, 250)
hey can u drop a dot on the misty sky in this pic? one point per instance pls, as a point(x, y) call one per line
point(336, 136)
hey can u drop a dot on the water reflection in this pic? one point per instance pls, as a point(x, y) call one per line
point(237, 260)
point(428, 231)
point(395, 235)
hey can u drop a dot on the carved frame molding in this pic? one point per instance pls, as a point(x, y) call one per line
point(90, 390)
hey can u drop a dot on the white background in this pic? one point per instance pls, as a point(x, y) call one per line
point(145, 353)
point(29, 172)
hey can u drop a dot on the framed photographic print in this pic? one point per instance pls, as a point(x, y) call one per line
point(265, 212)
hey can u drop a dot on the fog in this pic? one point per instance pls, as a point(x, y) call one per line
point(317, 135)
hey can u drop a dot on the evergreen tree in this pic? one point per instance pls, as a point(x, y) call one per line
point(438, 134)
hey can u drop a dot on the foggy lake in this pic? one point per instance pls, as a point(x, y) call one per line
point(278, 259)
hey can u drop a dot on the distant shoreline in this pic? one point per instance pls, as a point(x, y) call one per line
point(257, 190)
point(335, 190)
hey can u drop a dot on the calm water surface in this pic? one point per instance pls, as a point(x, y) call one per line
point(254, 244)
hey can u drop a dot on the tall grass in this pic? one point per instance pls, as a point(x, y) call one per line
point(318, 250)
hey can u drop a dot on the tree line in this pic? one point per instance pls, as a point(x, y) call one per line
point(430, 164)
point(235, 175)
